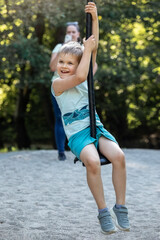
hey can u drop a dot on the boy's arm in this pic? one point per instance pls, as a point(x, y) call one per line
point(62, 84)
point(95, 30)
point(92, 9)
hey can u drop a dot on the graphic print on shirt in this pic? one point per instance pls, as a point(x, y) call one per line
point(78, 114)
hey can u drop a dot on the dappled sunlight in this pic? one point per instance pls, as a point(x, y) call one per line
point(18, 22)
point(133, 122)
point(127, 80)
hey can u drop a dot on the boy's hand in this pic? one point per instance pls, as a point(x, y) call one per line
point(90, 43)
point(92, 9)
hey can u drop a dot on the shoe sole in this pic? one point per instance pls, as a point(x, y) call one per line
point(113, 215)
point(108, 233)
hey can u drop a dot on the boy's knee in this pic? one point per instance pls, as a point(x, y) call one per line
point(120, 159)
point(93, 165)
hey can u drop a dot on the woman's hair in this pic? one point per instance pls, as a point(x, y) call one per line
point(73, 48)
point(73, 24)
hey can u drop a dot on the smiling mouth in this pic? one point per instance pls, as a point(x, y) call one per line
point(64, 71)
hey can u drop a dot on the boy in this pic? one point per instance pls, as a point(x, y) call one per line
point(71, 93)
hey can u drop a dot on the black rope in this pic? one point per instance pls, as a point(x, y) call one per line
point(91, 95)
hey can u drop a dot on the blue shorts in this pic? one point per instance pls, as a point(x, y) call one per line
point(81, 139)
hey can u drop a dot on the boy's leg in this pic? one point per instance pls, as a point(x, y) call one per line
point(115, 155)
point(89, 156)
point(113, 152)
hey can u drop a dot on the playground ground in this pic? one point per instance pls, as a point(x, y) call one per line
point(42, 198)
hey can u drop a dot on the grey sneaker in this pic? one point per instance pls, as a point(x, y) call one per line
point(120, 217)
point(107, 225)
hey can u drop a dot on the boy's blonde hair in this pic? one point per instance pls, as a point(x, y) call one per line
point(73, 48)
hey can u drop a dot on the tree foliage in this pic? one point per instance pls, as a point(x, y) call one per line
point(127, 82)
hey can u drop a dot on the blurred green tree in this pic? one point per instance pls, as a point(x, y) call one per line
point(127, 82)
point(128, 87)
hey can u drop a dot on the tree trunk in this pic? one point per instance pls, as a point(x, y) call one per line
point(23, 140)
point(47, 107)
point(44, 93)
point(1, 141)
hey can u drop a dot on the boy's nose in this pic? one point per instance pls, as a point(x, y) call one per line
point(64, 65)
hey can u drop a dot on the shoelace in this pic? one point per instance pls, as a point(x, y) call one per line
point(122, 217)
point(108, 219)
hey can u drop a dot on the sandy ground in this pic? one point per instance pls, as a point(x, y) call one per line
point(45, 199)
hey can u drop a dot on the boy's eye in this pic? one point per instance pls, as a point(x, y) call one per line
point(60, 61)
point(70, 63)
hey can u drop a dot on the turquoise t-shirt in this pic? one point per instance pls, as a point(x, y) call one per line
point(74, 107)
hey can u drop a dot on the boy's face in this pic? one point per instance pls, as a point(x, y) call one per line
point(67, 65)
